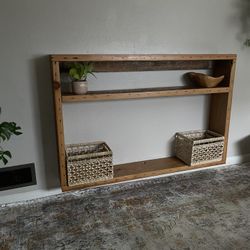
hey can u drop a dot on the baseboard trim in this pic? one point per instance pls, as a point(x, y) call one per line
point(238, 159)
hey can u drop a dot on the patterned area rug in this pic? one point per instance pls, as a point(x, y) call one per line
point(207, 209)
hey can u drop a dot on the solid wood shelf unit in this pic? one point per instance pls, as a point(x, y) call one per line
point(219, 111)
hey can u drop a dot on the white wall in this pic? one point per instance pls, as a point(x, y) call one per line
point(30, 30)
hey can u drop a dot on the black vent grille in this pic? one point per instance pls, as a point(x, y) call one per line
point(17, 176)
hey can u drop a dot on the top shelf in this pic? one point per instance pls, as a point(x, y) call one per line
point(141, 57)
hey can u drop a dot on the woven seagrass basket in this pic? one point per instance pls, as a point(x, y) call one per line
point(199, 147)
point(88, 162)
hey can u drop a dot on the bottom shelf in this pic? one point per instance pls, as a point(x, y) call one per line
point(142, 169)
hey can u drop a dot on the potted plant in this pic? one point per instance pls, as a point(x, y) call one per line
point(7, 129)
point(79, 73)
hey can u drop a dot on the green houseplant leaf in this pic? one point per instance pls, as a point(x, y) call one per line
point(3, 155)
point(80, 71)
point(74, 73)
point(7, 129)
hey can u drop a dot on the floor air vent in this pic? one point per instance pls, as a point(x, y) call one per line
point(17, 176)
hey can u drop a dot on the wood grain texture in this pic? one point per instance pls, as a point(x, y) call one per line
point(141, 93)
point(218, 109)
point(141, 57)
point(220, 106)
point(143, 169)
point(229, 107)
point(128, 66)
point(59, 122)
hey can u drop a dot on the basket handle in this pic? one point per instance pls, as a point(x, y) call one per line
point(182, 137)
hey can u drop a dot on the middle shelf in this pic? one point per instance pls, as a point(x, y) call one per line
point(141, 93)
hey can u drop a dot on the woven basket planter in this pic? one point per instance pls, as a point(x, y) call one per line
point(88, 162)
point(199, 147)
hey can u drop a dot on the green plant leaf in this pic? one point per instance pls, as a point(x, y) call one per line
point(80, 71)
point(3, 158)
point(7, 129)
point(17, 133)
point(74, 73)
point(92, 74)
point(7, 153)
point(3, 136)
point(5, 161)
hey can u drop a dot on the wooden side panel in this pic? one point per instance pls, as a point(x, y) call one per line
point(218, 110)
point(59, 122)
point(220, 106)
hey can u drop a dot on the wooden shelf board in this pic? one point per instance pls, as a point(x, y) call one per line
point(141, 93)
point(140, 57)
point(142, 169)
point(135, 66)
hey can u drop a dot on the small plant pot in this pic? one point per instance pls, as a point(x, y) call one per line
point(80, 87)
